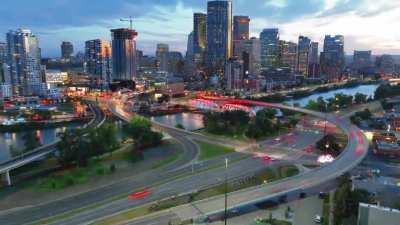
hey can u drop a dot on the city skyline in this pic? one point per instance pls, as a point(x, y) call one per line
point(368, 24)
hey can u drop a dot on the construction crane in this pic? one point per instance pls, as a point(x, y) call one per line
point(130, 20)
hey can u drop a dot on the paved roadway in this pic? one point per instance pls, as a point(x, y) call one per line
point(99, 118)
point(347, 160)
point(34, 213)
point(353, 154)
point(212, 177)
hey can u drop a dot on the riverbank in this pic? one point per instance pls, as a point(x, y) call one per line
point(304, 93)
point(28, 126)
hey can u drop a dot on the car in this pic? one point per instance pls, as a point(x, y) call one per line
point(282, 198)
point(267, 204)
point(322, 195)
point(302, 195)
point(318, 219)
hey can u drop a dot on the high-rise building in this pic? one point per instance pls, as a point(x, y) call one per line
point(175, 63)
point(219, 34)
point(249, 51)
point(269, 39)
point(67, 49)
point(288, 55)
point(362, 61)
point(3, 48)
point(23, 59)
point(98, 62)
point(332, 58)
point(123, 54)
point(303, 55)
point(313, 68)
point(162, 55)
point(2, 60)
point(199, 37)
point(385, 64)
point(314, 53)
point(241, 27)
point(190, 47)
point(234, 74)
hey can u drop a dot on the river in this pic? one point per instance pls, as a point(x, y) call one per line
point(15, 140)
point(368, 90)
point(190, 121)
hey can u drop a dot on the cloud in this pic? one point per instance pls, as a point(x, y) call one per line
point(365, 23)
point(276, 3)
point(374, 32)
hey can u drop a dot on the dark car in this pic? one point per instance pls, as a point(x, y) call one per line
point(302, 195)
point(282, 198)
point(267, 204)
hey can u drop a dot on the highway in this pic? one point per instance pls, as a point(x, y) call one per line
point(353, 154)
point(181, 166)
point(170, 186)
point(40, 152)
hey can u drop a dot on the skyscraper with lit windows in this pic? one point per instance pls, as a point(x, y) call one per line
point(98, 61)
point(219, 34)
point(162, 57)
point(123, 54)
point(303, 53)
point(269, 39)
point(332, 58)
point(241, 28)
point(199, 37)
point(313, 67)
point(24, 62)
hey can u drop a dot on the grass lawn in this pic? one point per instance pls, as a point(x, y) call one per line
point(208, 151)
point(70, 177)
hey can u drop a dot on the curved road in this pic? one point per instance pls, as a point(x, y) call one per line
point(353, 154)
point(98, 120)
point(101, 194)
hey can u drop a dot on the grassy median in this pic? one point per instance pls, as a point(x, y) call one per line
point(209, 151)
point(265, 176)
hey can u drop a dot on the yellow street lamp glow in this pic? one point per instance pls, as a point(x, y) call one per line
point(369, 135)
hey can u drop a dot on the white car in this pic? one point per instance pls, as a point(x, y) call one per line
point(318, 219)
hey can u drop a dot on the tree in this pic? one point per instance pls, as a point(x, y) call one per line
point(346, 201)
point(139, 129)
point(340, 101)
point(329, 145)
point(73, 148)
point(103, 139)
point(226, 123)
point(318, 105)
point(31, 141)
point(360, 98)
point(387, 91)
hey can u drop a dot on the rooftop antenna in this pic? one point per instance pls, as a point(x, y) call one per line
point(130, 20)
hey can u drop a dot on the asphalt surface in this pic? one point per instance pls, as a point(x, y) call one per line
point(353, 154)
point(211, 177)
point(346, 161)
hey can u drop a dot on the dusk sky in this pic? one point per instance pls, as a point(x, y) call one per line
point(366, 24)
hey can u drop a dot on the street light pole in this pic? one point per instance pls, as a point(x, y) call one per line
point(226, 191)
point(326, 118)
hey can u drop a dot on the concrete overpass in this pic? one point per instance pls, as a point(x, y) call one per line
point(42, 151)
